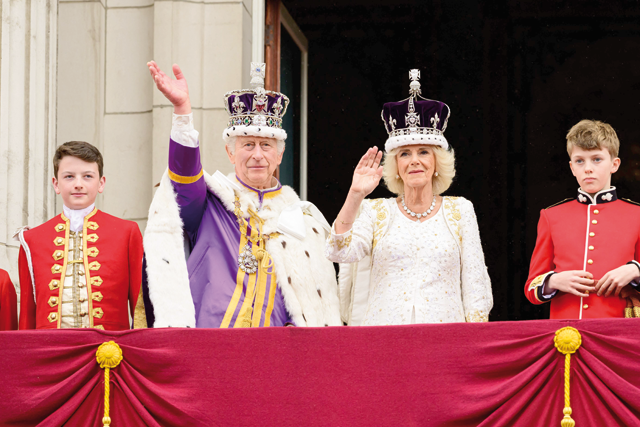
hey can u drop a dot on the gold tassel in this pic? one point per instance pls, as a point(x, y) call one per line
point(108, 356)
point(628, 312)
point(567, 341)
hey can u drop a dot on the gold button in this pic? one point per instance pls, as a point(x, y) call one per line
point(591, 248)
point(52, 317)
point(81, 285)
point(54, 284)
point(592, 234)
point(594, 222)
point(82, 299)
point(585, 306)
point(596, 211)
point(83, 313)
point(590, 261)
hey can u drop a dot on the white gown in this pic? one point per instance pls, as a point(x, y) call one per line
point(429, 272)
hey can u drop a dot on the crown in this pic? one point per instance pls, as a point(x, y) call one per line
point(415, 120)
point(255, 112)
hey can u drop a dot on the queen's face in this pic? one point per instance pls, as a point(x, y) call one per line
point(416, 165)
point(255, 160)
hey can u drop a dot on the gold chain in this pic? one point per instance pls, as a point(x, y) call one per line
point(242, 223)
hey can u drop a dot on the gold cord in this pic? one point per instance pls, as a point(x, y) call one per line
point(106, 420)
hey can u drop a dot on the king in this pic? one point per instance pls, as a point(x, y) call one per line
point(254, 251)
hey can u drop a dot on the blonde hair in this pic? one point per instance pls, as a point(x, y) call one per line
point(593, 135)
point(445, 166)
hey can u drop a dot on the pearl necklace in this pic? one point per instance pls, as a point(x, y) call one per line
point(410, 212)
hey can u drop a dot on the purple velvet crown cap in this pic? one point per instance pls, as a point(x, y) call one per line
point(415, 120)
point(255, 112)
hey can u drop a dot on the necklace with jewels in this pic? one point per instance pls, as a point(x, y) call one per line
point(417, 215)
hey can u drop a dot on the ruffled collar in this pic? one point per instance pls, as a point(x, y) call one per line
point(76, 216)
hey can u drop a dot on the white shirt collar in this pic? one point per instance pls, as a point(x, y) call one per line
point(76, 216)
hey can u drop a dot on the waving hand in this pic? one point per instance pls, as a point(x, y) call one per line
point(176, 91)
point(368, 173)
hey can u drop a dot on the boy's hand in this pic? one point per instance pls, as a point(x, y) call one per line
point(175, 91)
point(576, 282)
point(617, 279)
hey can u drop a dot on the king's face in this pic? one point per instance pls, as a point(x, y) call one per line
point(78, 182)
point(255, 160)
point(593, 168)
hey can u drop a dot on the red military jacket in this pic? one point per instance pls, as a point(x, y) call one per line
point(595, 234)
point(112, 264)
point(8, 303)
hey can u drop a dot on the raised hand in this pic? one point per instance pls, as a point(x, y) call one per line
point(367, 174)
point(176, 91)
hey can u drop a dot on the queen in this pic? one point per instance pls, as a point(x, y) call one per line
point(423, 249)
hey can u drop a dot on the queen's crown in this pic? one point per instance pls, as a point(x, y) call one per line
point(257, 106)
point(415, 118)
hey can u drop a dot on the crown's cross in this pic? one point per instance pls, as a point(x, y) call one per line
point(414, 86)
point(257, 74)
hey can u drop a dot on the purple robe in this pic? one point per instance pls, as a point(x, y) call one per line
point(214, 239)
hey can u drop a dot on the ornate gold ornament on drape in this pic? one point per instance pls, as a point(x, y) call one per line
point(108, 356)
point(567, 341)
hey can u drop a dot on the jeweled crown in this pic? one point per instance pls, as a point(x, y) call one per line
point(415, 120)
point(255, 107)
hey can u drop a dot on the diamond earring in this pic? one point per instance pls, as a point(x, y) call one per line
point(397, 176)
point(436, 173)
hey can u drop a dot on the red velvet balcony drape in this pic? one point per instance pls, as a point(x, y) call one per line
point(492, 374)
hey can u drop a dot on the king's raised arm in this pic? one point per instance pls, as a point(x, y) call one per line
point(185, 168)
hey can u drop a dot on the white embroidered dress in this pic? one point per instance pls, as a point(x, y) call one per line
point(428, 272)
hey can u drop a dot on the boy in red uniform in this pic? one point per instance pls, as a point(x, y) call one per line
point(83, 268)
point(586, 256)
point(8, 303)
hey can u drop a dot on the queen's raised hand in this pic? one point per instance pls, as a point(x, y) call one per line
point(175, 90)
point(368, 172)
point(366, 178)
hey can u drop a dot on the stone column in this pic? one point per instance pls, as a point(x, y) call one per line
point(28, 38)
point(212, 42)
point(105, 95)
